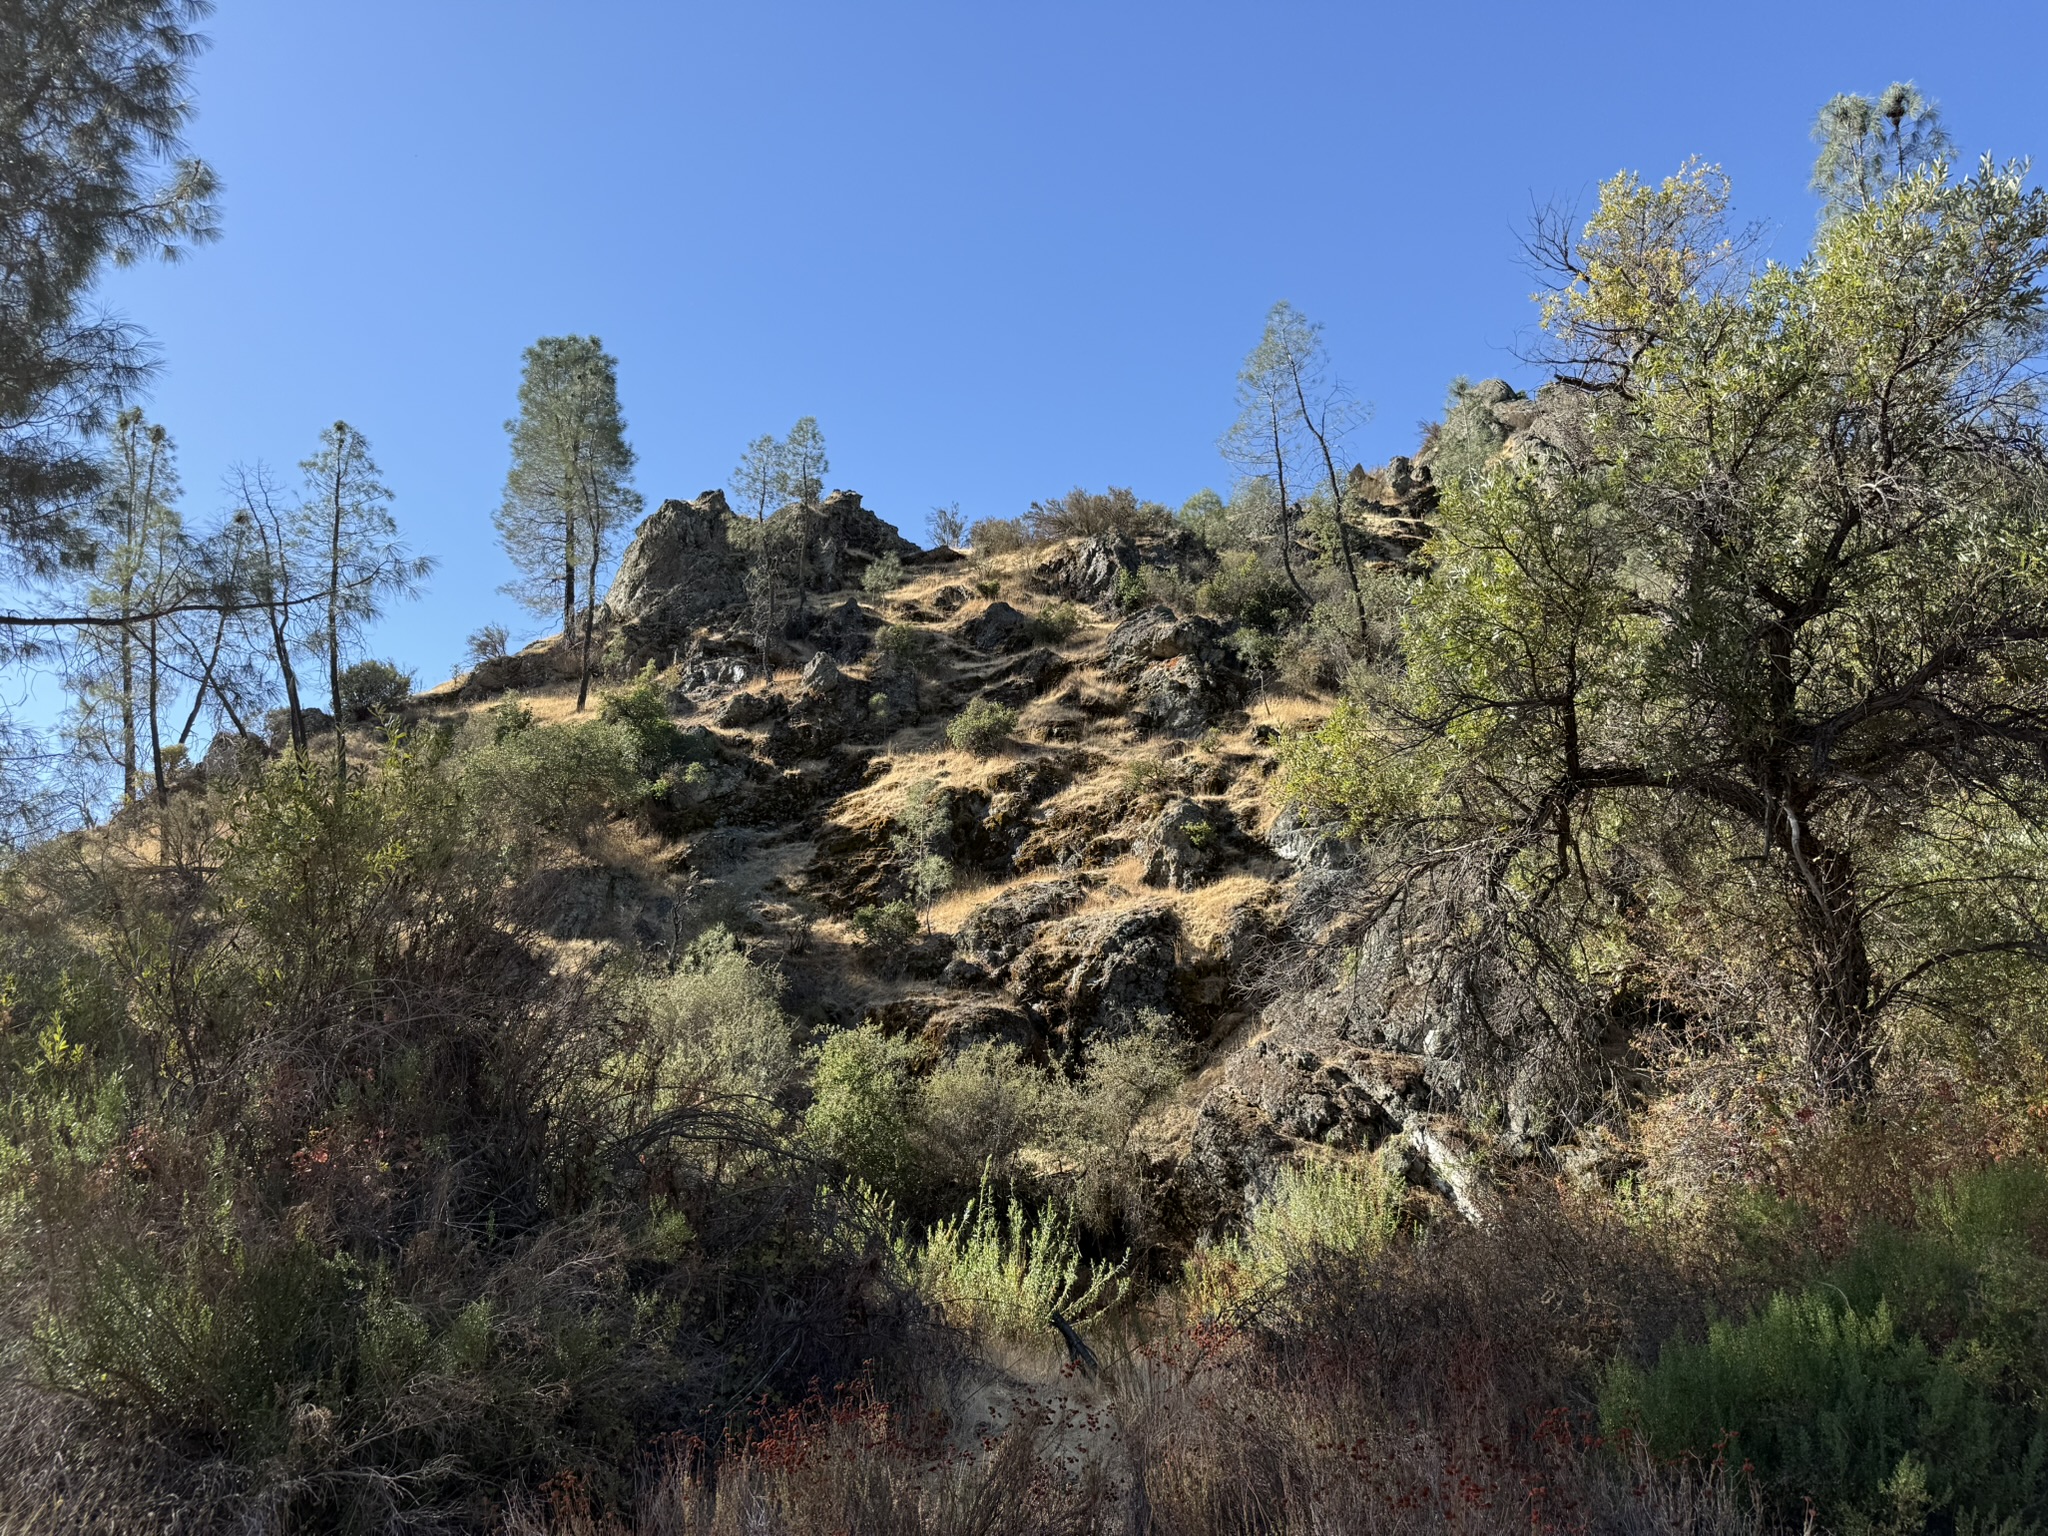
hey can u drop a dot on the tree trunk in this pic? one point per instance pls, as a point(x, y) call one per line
point(1336, 501)
point(297, 713)
point(568, 574)
point(1286, 513)
point(1842, 1035)
point(156, 745)
point(334, 622)
point(220, 631)
point(589, 624)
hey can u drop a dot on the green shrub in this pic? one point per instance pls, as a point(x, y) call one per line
point(979, 1110)
point(1316, 1212)
point(996, 536)
point(714, 1024)
point(1004, 1272)
point(1059, 622)
point(988, 586)
point(554, 778)
point(982, 727)
point(1097, 1114)
point(882, 575)
point(1083, 514)
point(1913, 1369)
point(508, 717)
point(1133, 590)
point(642, 708)
point(883, 927)
point(1249, 589)
point(902, 648)
point(863, 1105)
point(1206, 515)
point(374, 688)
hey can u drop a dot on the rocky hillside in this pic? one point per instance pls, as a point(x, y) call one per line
point(1116, 858)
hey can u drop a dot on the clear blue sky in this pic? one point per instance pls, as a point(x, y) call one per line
point(998, 250)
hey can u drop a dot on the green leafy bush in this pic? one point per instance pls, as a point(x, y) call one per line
point(988, 586)
point(902, 648)
point(977, 1111)
point(1250, 589)
point(982, 727)
point(1913, 1371)
point(884, 927)
point(883, 575)
point(642, 708)
point(553, 778)
point(371, 689)
point(863, 1107)
point(713, 1024)
point(1318, 1211)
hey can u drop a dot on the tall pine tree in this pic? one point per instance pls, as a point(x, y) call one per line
point(569, 488)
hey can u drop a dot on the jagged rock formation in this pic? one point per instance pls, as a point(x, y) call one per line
point(678, 575)
point(1089, 571)
point(1180, 676)
point(844, 537)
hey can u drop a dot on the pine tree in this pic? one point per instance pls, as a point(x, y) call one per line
point(757, 483)
point(1869, 144)
point(139, 566)
point(93, 99)
point(804, 467)
point(568, 490)
point(349, 509)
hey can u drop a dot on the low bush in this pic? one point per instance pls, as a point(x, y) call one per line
point(1059, 622)
point(642, 708)
point(711, 1025)
point(977, 1112)
point(996, 536)
point(1908, 1381)
point(882, 575)
point(1083, 514)
point(557, 779)
point(983, 727)
point(1317, 1211)
point(901, 648)
point(863, 1108)
point(1250, 589)
point(1004, 1271)
point(887, 926)
point(372, 689)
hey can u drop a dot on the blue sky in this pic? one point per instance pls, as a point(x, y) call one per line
point(998, 250)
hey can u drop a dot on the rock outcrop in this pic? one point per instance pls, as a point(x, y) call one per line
point(679, 574)
point(844, 537)
point(1090, 571)
point(1179, 675)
